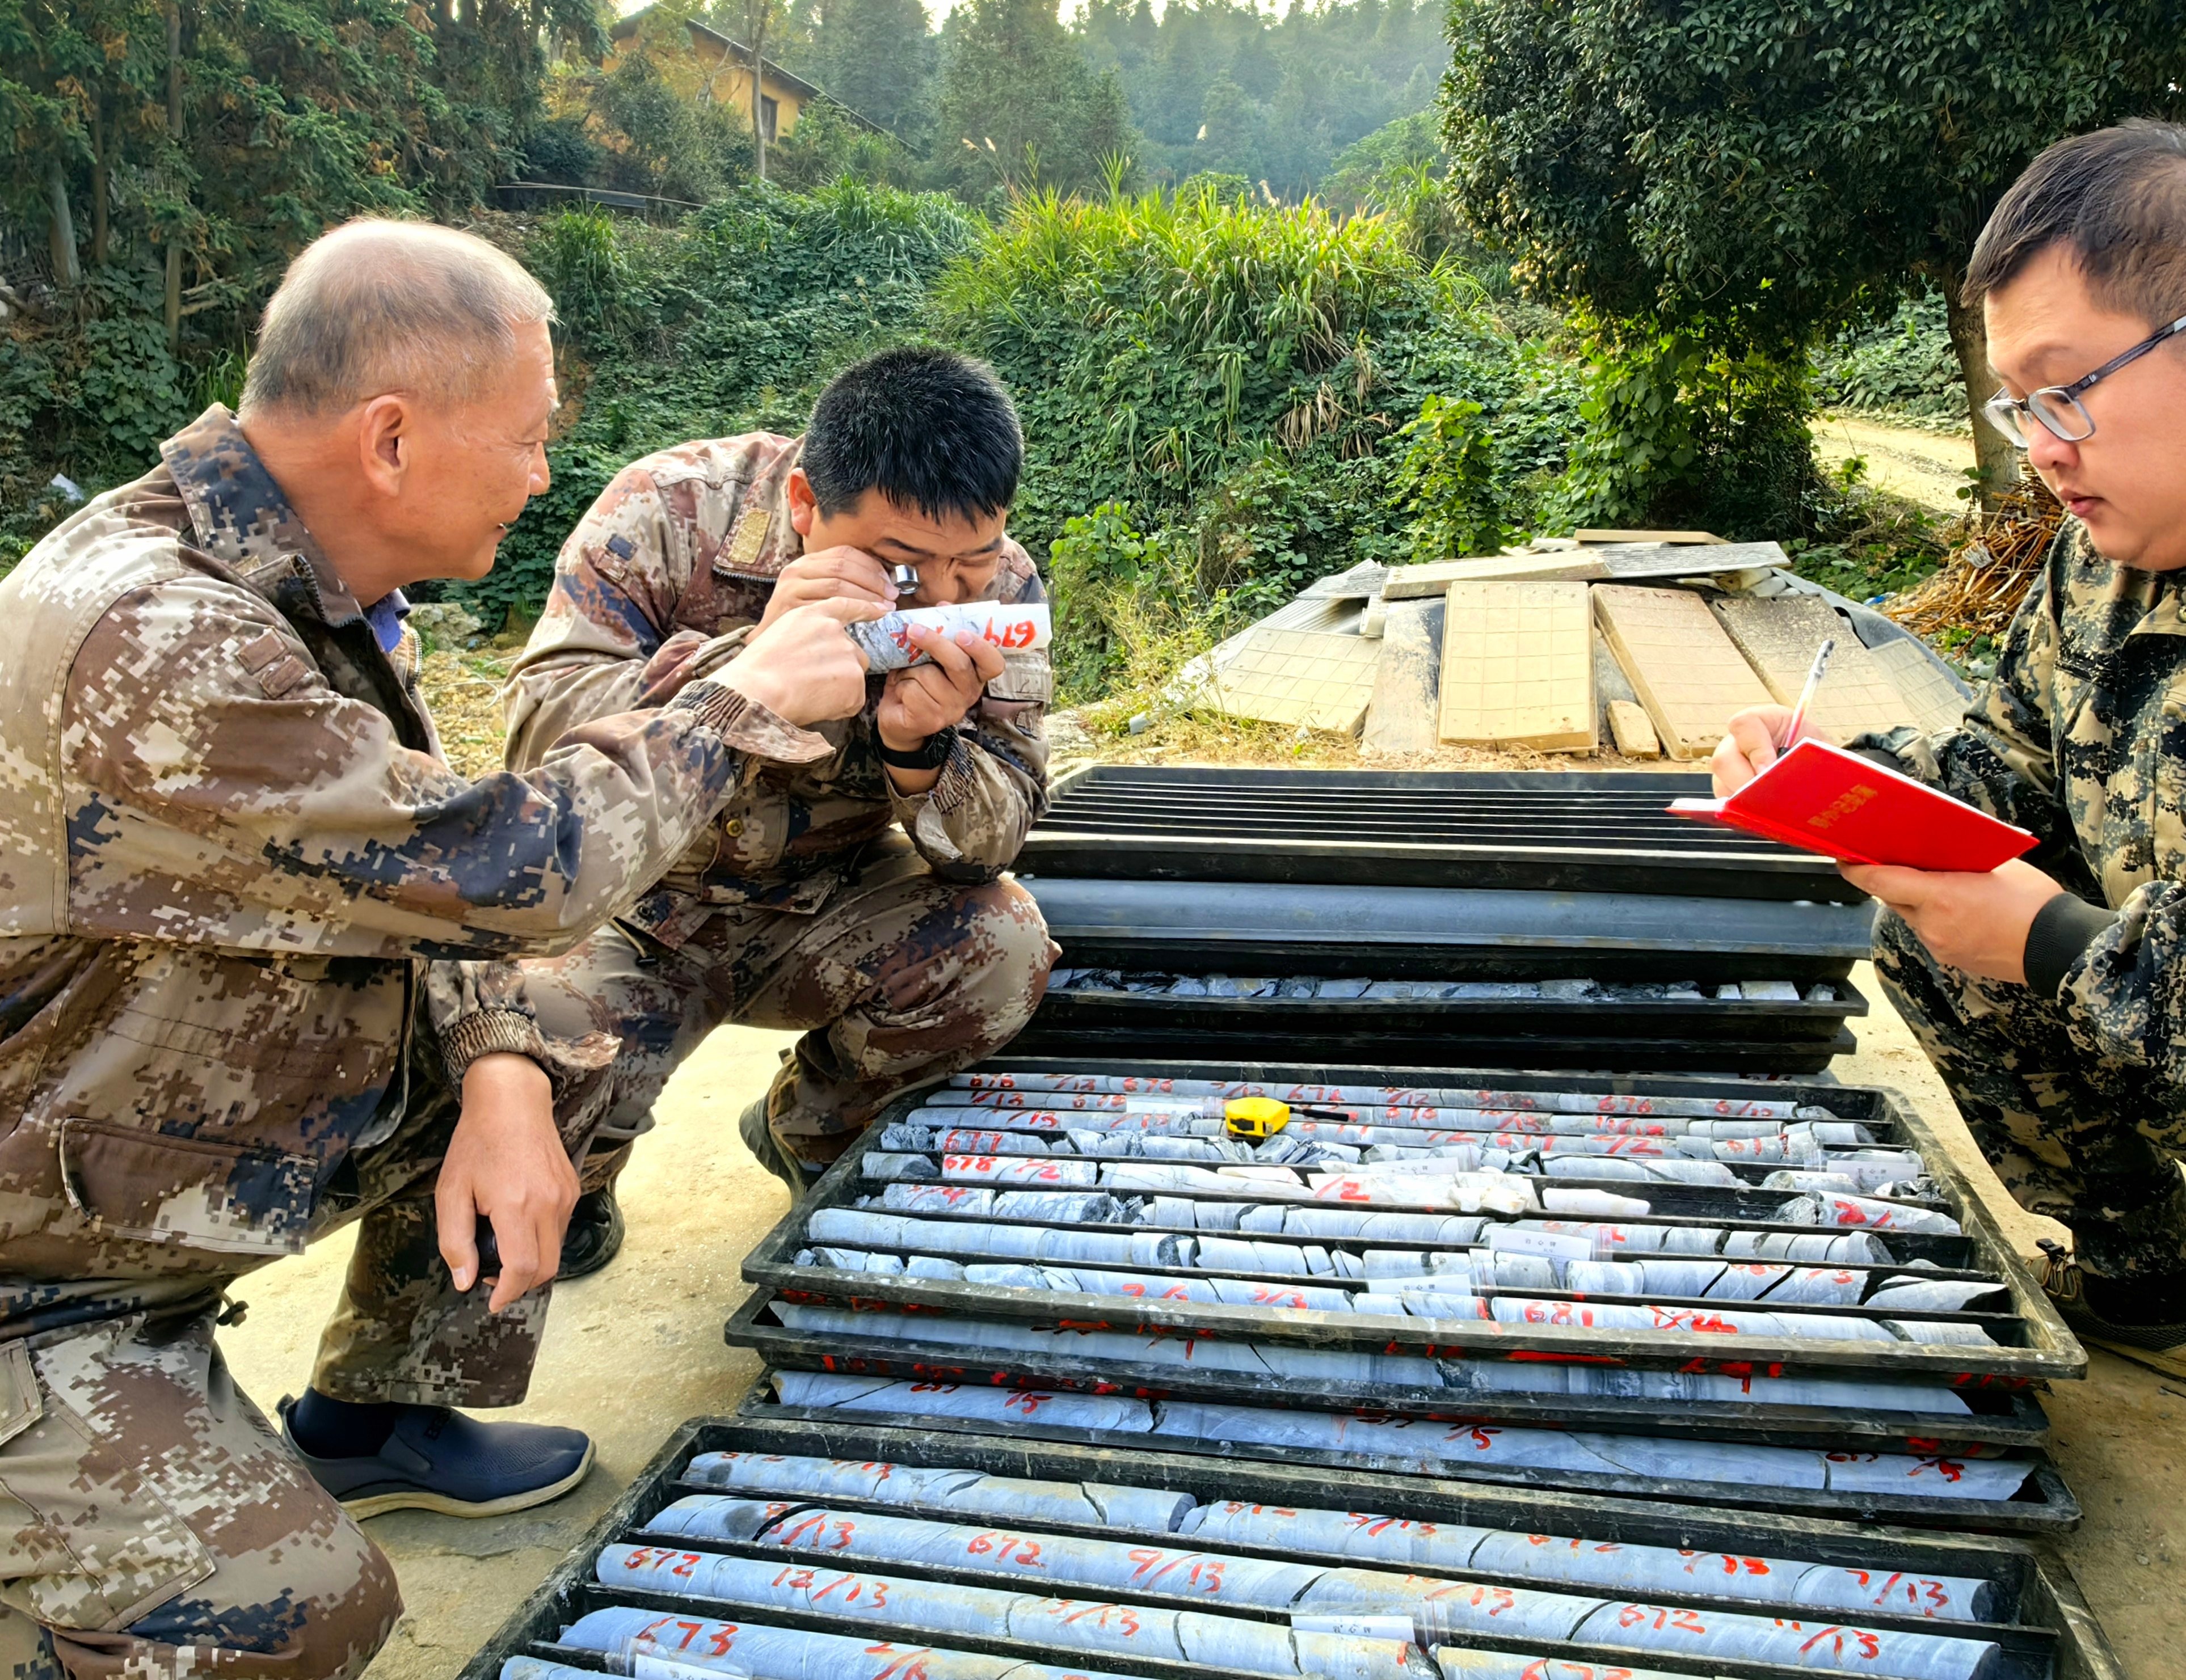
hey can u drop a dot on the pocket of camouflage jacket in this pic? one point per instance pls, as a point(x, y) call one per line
point(91, 1544)
point(21, 1405)
point(147, 1187)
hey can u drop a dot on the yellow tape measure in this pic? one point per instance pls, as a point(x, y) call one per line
point(1255, 1117)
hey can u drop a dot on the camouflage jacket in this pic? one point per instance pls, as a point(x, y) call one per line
point(236, 876)
point(2081, 738)
point(684, 546)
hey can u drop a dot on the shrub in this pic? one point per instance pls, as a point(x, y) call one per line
point(578, 256)
point(1904, 363)
point(1448, 481)
point(1680, 433)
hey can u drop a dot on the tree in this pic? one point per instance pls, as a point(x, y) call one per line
point(1019, 103)
point(878, 58)
point(1763, 168)
point(755, 16)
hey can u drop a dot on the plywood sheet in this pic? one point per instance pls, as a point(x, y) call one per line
point(1517, 666)
point(1778, 638)
point(1414, 582)
point(1626, 562)
point(1682, 664)
point(1405, 712)
point(1933, 701)
point(1305, 677)
point(1628, 728)
point(1598, 535)
point(1356, 584)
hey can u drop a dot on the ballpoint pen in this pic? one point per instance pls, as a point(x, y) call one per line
point(1807, 694)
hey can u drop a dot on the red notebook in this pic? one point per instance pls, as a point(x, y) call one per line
point(1822, 799)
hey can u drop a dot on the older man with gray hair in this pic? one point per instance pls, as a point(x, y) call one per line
point(255, 977)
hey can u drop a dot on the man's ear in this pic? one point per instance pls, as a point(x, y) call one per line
point(383, 443)
point(804, 505)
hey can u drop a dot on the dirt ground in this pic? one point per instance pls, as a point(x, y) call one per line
point(1927, 467)
point(637, 1349)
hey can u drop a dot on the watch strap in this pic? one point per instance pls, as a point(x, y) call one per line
point(931, 754)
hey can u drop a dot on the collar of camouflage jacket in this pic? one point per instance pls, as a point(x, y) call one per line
point(243, 519)
point(2105, 598)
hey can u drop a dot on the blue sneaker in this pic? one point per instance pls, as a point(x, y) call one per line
point(438, 1459)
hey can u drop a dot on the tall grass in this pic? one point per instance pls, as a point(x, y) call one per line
point(1188, 322)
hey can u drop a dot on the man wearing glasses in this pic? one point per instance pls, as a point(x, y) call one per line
point(2051, 993)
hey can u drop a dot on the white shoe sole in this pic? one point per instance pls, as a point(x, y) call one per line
point(423, 1499)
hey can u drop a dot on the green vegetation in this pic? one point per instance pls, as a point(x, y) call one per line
point(1214, 390)
point(166, 160)
point(1230, 386)
point(1223, 88)
point(1902, 367)
point(1751, 173)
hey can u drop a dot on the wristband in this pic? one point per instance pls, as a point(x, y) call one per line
point(930, 754)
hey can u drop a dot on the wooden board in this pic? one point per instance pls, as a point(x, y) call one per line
point(1405, 709)
point(1414, 582)
point(1778, 637)
point(1587, 536)
point(1374, 619)
point(1932, 701)
point(1309, 678)
point(1357, 583)
point(1629, 727)
point(1683, 666)
point(1626, 562)
point(1517, 667)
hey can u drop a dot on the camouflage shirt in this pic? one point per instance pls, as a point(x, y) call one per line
point(684, 546)
point(236, 875)
point(2081, 738)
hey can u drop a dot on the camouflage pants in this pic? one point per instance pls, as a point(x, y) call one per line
point(2093, 1144)
point(156, 1526)
point(899, 977)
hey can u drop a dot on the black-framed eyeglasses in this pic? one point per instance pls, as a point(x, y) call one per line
point(2058, 407)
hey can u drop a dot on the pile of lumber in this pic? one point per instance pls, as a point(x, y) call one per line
point(1647, 642)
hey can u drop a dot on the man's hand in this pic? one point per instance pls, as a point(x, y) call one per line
point(507, 1161)
point(829, 575)
point(1975, 923)
point(922, 700)
point(800, 666)
point(1751, 747)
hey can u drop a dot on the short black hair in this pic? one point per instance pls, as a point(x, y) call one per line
point(2117, 198)
point(926, 427)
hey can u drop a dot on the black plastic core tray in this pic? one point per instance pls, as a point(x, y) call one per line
point(2030, 1342)
point(2043, 1627)
point(1642, 1034)
point(2000, 1423)
point(1583, 831)
point(1340, 928)
point(2044, 1503)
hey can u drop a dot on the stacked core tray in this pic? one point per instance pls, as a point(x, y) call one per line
point(1765, 1294)
point(784, 1547)
point(1560, 921)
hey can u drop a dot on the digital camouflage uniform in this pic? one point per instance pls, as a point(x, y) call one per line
point(252, 931)
point(800, 908)
point(2078, 1095)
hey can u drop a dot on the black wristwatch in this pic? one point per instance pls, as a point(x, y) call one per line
point(931, 754)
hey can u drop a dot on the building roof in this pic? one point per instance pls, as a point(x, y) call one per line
point(769, 70)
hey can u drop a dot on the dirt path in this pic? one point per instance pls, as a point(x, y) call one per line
point(1927, 467)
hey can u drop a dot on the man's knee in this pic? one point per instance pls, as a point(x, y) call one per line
point(315, 1606)
point(1007, 945)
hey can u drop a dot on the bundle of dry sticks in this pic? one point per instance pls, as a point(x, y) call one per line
point(1981, 584)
